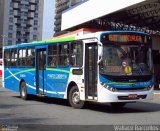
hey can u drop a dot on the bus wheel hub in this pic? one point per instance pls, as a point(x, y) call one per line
point(75, 97)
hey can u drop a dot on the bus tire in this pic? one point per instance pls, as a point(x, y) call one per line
point(74, 98)
point(118, 104)
point(23, 91)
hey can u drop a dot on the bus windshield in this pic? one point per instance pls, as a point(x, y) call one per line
point(126, 59)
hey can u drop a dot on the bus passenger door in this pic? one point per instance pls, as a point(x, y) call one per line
point(91, 54)
point(40, 71)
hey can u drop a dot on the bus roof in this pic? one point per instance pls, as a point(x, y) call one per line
point(70, 36)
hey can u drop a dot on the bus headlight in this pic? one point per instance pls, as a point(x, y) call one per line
point(108, 87)
point(149, 87)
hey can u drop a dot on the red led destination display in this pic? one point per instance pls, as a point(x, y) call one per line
point(125, 38)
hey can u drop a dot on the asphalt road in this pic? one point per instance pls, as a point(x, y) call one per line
point(49, 111)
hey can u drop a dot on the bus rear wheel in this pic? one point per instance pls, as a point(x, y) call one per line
point(74, 98)
point(23, 91)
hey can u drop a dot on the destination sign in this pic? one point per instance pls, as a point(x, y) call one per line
point(125, 38)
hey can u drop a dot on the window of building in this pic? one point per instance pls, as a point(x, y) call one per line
point(35, 28)
point(36, 22)
point(52, 56)
point(25, 21)
point(9, 42)
point(10, 27)
point(11, 19)
point(63, 54)
point(36, 15)
point(11, 4)
point(26, 7)
point(36, 8)
point(37, 1)
point(76, 54)
point(10, 35)
point(11, 12)
point(25, 13)
point(34, 37)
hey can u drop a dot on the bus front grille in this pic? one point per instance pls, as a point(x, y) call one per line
point(127, 98)
point(130, 89)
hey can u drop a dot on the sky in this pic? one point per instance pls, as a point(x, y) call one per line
point(48, 19)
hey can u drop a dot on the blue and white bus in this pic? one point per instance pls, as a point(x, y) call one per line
point(104, 66)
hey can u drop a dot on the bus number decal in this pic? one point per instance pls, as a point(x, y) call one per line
point(22, 75)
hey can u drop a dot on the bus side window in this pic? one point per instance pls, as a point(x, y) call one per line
point(52, 61)
point(76, 54)
point(52, 55)
point(7, 58)
point(63, 54)
point(21, 57)
point(14, 56)
point(30, 57)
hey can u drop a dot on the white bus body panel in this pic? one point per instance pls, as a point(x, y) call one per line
point(77, 79)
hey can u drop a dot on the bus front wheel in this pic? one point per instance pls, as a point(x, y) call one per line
point(23, 91)
point(74, 98)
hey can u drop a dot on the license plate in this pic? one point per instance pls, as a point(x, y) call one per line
point(132, 96)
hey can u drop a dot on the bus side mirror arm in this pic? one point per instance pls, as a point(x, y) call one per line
point(100, 52)
point(81, 68)
point(99, 61)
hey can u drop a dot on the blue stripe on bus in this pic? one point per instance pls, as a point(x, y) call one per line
point(55, 80)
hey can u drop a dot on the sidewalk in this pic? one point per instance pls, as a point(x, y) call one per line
point(156, 92)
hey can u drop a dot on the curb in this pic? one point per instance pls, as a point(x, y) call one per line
point(156, 93)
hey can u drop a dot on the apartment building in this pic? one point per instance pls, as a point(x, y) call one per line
point(21, 21)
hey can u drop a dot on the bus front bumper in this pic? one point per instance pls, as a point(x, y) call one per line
point(105, 95)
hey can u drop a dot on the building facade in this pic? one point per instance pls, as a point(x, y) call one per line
point(60, 6)
point(21, 21)
point(1, 20)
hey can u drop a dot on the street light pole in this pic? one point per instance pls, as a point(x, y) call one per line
point(3, 43)
point(3, 39)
